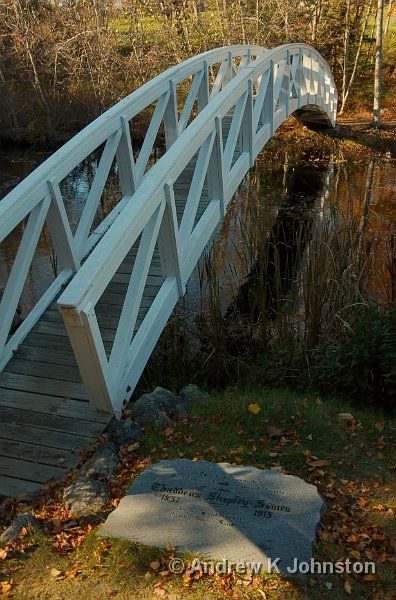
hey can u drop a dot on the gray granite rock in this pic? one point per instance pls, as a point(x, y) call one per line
point(192, 393)
point(85, 496)
point(102, 463)
point(124, 433)
point(162, 420)
point(148, 407)
point(181, 410)
point(221, 511)
point(24, 520)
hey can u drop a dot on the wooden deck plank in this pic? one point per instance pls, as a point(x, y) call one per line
point(62, 424)
point(36, 436)
point(42, 385)
point(50, 405)
point(29, 471)
point(57, 357)
point(44, 369)
point(39, 340)
point(42, 454)
point(10, 486)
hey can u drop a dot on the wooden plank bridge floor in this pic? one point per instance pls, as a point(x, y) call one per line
point(45, 416)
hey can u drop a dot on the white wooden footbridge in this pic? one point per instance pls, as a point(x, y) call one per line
point(77, 356)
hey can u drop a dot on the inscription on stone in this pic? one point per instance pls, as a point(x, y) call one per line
point(220, 511)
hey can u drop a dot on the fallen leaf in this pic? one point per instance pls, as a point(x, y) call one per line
point(369, 577)
point(345, 417)
point(319, 463)
point(3, 554)
point(347, 587)
point(254, 409)
point(5, 588)
point(154, 565)
point(55, 572)
point(274, 431)
point(133, 447)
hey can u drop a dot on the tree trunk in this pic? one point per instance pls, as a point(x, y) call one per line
point(378, 66)
point(346, 49)
point(391, 8)
point(356, 61)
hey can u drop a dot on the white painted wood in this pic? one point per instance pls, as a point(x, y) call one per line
point(97, 187)
point(145, 340)
point(194, 194)
point(31, 319)
point(61, 235)
point(191, 97)
point(86, 340)
point(23, 259)
point(134, 294)
point(259, 100)
point(170, 243)
point(151, 134)
point(171, 123)
point(234, 131)
point(126, 161)
point(220, 77)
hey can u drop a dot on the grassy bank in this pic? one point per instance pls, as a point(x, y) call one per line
point(348, 454)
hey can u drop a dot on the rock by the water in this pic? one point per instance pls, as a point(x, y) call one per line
point(192, 393)
point(85, 496)
point(102, 463)
point(148, 407)
point(123, 433)
point(221, 511)
point(24, 520)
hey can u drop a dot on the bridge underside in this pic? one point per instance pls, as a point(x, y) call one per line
point(313, 117)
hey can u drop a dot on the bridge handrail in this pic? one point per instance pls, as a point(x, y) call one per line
point(261, 96)
point(39, 198)
point(15, 206)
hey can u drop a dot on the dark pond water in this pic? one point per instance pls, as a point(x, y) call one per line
point(286, 187)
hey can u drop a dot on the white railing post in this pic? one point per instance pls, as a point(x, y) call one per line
point(268, 107)
point(171, 124)
point(215, 176)
point(247, 125)
point(203, 92)
point(62, 239)
point(169, 246)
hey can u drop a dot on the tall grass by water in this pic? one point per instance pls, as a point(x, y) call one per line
point(317, 307)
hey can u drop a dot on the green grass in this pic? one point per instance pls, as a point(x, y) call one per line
point(289, 432)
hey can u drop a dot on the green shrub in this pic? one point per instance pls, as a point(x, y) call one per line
point(361, 363)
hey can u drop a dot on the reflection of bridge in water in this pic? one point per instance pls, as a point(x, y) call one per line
point(118, 279)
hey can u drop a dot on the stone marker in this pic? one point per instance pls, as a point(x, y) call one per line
point(221, 511)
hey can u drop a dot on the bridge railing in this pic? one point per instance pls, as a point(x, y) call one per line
point(38, 203)
point(210, 164)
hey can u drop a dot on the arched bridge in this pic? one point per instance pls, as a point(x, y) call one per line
point(121, 275)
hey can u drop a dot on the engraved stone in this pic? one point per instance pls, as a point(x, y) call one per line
point(221, 511)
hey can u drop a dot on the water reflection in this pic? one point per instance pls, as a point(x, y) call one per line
point(277, 196)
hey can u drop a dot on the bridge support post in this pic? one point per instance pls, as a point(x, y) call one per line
point(86, 340)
